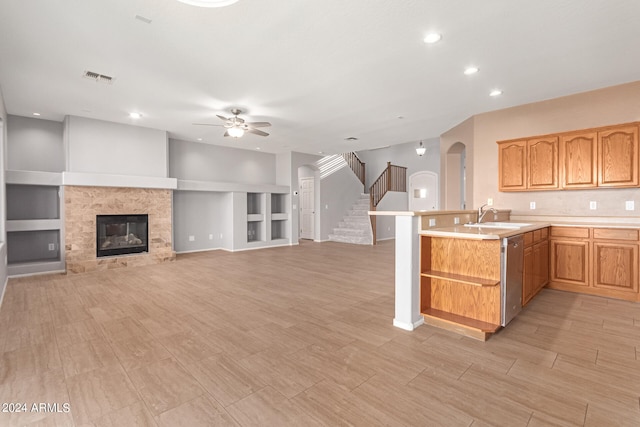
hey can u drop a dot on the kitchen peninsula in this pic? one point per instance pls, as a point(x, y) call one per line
point(452, 275)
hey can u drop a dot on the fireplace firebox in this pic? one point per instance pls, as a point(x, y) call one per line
point(121, 234)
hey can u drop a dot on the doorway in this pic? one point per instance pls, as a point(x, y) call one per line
point(455, 178)
point(307, 208)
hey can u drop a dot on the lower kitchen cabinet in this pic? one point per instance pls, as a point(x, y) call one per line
point(597, 261)
point(536, 263)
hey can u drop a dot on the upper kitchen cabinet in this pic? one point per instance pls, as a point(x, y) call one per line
point(618, 157)
point(528, 164)
point(603, 157)
point(512, 165)
point(542, 163)
point(578, 157)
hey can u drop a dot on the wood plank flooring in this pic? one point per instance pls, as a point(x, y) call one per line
point(301, 336)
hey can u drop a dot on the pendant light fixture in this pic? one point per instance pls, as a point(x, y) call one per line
point(421, 149)
point(208, 3)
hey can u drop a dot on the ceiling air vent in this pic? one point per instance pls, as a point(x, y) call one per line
point(99, 78)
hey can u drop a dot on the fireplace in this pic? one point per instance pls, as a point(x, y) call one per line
point(121, 234)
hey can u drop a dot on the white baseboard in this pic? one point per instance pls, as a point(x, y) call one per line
point(386, 238)
point(198, 250)
point(408, 326)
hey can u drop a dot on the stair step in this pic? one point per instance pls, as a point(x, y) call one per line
point(350, 239)
point(361, 225)
point(349, 231)
point(358, 212)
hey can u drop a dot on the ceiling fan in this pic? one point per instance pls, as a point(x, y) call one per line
point(236, 126)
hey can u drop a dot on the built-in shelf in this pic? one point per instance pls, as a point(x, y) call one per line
point(255, 217)
point(278, 229)
point(279, 216)
point(469, 280)
point(33, 178)
point(33, 224)
point(460, 324)
point(254, 232)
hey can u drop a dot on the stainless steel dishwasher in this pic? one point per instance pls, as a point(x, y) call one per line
point(511, 264)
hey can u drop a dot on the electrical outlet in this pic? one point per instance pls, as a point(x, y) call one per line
point(629, 205)
point(532, 205)
point(432, 222)
point(456, 220)
point(52, 246)
point(388, 228)
point(221, 235)
point(192, 238)
point(593, 205)
point(210, 236)
point(490, 201)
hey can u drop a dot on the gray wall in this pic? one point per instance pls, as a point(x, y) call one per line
point(386, 225)
point(97, 146)
point(34, 144)
point(338, 192)
point(206, 162)
point(401, 155)
point(32, 202)
point(199, 214)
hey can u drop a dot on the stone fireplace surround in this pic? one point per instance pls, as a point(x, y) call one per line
point(83, 203)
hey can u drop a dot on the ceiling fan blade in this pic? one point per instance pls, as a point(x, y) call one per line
point(257, 132)
point(259, 124)
point(222, 117)
point(205, 124)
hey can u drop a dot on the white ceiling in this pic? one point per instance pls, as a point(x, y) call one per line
point(319, 71)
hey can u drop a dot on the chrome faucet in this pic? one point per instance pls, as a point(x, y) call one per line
point(482, 212)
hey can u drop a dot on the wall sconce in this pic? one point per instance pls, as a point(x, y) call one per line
point(420, 150)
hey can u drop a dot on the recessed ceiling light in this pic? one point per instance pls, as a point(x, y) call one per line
point(199, 139)
point(208, 3)
point(258, 148)
point(320, 152)
point(495, 92)
point(36, 114)
point(471, 70)
point(432, 38)
point(135, 115)
point(351, 138)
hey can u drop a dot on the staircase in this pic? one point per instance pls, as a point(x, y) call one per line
point(355, 227)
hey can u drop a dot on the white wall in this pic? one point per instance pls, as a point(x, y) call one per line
point(97, 146)
point(206, 162)
point(609, 106)
point(34, 144)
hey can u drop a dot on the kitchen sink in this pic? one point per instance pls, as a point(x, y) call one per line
point(498, 225)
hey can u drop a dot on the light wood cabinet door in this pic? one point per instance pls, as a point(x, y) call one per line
point(541, 263)
point(570, 262)
point(542, 164)
point(528, 275)
point(618, 157)
point(512, 165)
point(578, 160)
point(616, 266)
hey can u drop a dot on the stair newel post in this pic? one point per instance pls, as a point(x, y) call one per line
point(363, 178)
point(388, 173)
point(372, 218)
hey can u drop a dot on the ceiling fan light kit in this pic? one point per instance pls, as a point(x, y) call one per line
point(208, 3)
point(421, 149)
point(236, 126)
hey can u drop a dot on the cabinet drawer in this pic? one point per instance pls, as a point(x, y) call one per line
point(615, 234)
point(528, 238)
point(576, 232)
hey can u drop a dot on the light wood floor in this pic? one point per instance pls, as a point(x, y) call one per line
point(302, 336)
